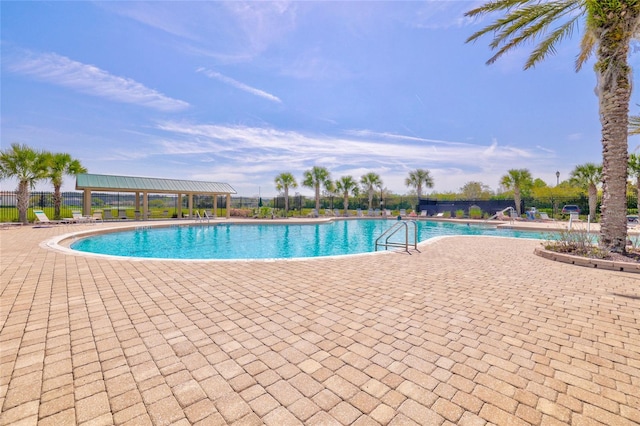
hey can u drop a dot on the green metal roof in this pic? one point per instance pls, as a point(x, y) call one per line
point(145, 184)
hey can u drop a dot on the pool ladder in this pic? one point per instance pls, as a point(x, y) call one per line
point(383, 240)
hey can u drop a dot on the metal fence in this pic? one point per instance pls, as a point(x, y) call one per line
point(163, 205)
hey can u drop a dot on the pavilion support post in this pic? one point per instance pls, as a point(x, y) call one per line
point(145, 205)
point(190, 205)
point(228, 206)
point(215, 205)
point(86, 202)
point(179, 207)
point(138, 201)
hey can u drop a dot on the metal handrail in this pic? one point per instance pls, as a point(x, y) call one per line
point(390, 232)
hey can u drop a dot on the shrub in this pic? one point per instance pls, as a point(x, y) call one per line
point(446, 214)
point(575, 241)
point(240, 212)
point(459, 214)
point(475, 212)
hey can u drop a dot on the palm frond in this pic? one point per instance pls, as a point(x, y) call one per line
point(528, 22)
point(634, 125)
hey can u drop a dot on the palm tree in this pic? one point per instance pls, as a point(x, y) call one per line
point(346, 185)
point(315, 178)
point(634, 171)
point(588, 176)
point(27, 166)
point(518, 180)
point(58, 165)
point(609, 26)
point(417, 178)
point(369, 183)
point(284, 181)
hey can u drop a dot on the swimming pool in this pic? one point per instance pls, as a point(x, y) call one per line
point(268, 241)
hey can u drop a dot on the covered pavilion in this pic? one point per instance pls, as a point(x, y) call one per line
point(145, 185)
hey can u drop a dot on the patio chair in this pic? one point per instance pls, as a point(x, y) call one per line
point(122, 214)
point(359, 212)
point(403, 212)
point(97, 216)
point(423, 213)
point(42, 218)
point(370, 212)
point(108, 215)
point(544, 216)
point(79, 218)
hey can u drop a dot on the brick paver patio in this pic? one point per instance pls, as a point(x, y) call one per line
point(471, 331)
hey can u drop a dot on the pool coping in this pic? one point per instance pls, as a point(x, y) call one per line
point(62, 243)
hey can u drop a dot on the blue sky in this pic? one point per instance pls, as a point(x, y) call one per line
point(239, 92)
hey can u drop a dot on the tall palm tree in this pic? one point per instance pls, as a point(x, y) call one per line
point(417, 178)
point(58, 165)
point(28, 166)
point(634, 171)
point(316, 178)
point(346, 186)
point(588, 176)
point(609, 28)
point(518, 180)
point(369, 183)
point(284, 181)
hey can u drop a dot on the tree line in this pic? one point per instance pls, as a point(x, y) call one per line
point(318, 178)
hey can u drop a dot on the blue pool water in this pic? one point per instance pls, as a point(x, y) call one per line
point(267, 241)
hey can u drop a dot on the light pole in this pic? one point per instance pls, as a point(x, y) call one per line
point(555, 207)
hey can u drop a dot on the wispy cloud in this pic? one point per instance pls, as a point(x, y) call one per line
point(362, 148)
point(62, 71)
point(238, 85)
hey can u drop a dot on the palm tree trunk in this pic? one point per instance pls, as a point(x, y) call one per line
point(286, 201)
point(57, 201)
point(346, 204)
point(371, 198)
point(517, 199)
point(318, 198)
point(614, 90)
point(593, 201)
point(22, 201)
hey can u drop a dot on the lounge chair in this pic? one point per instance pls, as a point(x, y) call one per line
point(122, 214)
point(423, 213)
point(42, 218)
point(77, 217)
point(441, 214)
point(403, 212)
point(359, 212)
point(108, 215)
point(376, 212)
point(370, 212)
point(544, 216)
point(97, 216)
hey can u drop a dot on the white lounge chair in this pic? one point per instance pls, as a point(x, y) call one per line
point(43, 218)
point(79, 218)
point(544, 216)
point(423, 213)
